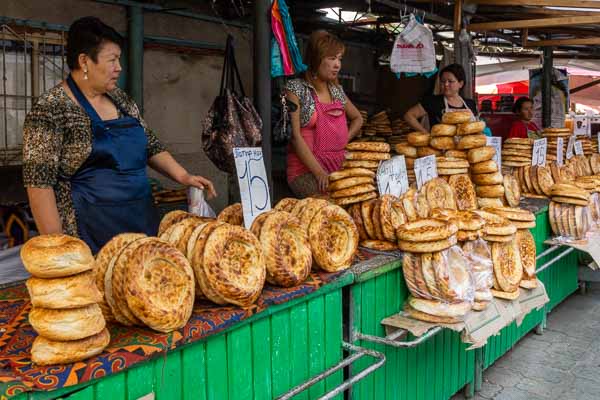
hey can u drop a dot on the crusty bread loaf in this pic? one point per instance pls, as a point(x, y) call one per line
point(50, 352)
point(71, 292)
point(67, 324)
point(56, 256)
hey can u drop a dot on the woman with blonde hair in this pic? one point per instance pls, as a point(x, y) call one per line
point(320, 129)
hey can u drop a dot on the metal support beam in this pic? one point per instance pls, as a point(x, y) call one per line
point(534, 23)
point(547, 3)
point(262, 78)
point(547, 74)
point(428, 16)
point(135, 50)
point(585, 86)
point(565, 42)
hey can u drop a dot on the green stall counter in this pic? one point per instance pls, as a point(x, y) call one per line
point(436, 368)
point(261, 357)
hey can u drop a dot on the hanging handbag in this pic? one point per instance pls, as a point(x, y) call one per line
point(280, 115)
point(232, 121)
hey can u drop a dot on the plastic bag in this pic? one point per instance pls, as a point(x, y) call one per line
point(414, 50)
point(197, 204)
point(481, 266)
point(595, 211)
point(441, 276)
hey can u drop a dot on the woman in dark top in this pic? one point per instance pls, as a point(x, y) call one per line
point(86, 148)
point(452, 80)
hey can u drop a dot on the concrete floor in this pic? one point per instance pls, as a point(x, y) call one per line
point(563, 363)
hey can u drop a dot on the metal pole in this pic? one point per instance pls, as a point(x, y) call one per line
point(262, 78)
point(547, 88)
point(135, 50)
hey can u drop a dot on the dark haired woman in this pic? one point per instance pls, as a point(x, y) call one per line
point(524, 127)
point(452, 80)
point(320, 128)
point(86, 148)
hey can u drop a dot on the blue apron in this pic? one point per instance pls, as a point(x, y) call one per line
point(110, 191)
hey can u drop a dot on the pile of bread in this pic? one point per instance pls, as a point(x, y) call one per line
point(64, 298)
point(517, 152)
point(570, 210)
point(231, 264)
point(378, 125)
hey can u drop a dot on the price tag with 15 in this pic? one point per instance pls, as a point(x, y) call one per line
point(252, 179)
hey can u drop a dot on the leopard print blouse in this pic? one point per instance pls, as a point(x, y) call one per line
point(57, 139)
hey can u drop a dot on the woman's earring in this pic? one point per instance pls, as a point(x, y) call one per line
point(85, 75)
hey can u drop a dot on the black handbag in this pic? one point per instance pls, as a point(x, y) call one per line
point(282, 127)
point(232, 120)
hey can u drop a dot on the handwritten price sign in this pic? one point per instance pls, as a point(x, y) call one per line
point(425, 170)
point(538, 156)
point(252, 178)
point(392, 177)
point(496, 142)
point(560, 156)
point(578, 148)
point(570, 147)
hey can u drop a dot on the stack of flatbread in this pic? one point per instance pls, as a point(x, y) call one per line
point(586, 143)
point(65, 311)
point(352, 185)
point(521, 219)
point(595, 163)
point(381, 123)
point(448, 166)
point(595, 145)
point(332, 234)
point(377, 222)
point(440, 284)
point(470, 225)
point(569, 211)
point(497, 228)
point(516, 152)
point(488, 179)
point(400, 128)
point(564, 173)
point(421, 143)
point(366, 155)
point(427, 235)
point(580, 165)
point(536, 179)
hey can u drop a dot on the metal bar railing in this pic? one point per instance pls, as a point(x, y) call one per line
point(555, 259)
point(359, 353)
point(548, 251)
point(392, 338)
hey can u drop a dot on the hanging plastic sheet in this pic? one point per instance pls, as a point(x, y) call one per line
point(279, 34)
point(299, 66)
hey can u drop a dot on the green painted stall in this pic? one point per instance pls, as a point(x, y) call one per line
point(436, 369)
point(260, 358)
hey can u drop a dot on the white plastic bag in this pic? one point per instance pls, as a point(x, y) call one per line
point(197, 205)
point(414, 50)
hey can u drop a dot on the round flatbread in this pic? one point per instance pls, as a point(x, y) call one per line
point(471, 142)
point(508, 268)
point(418, 139)
point(351, 173)
point(442, 143)
point(377, 147)
point(512, 190)
point(457, 117)
point(379, 245)
point(368, 165)
point(527, 252)
point(481, 154)
point(427, 247)
point(469, 128)
point(466, 198)
point(490, 191)
point(494, 178)
point(443, 130)
point(344, 201)
point(367, 156)
point(349, 182)
point(485, 167)
point(439, 194)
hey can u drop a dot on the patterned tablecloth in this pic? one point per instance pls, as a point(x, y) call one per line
point(128, 346)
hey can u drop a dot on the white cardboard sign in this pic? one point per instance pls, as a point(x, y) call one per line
point(538, 156)
point(425, 170)
point(570, 147)
point(496, 142)
point(392, 177)
point(578, 148)
point(560, 156)
point(252, 178)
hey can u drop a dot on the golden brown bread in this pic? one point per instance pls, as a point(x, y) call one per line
point(308, 212)
point(471, 142)
point(457, 117)
point(424, 151)
point(159, 286)
point(418, 139)
point(379, 245)
point(171, 218)
point(71, 292)
point(368, 146)
point(481, 154)
point(427, 247)
point(333, 239)
point(426, 230)
point(366, 209)
point(103, 259)
point(50, 352)
point(512, 191)
point(56, 256)
point(452, 275)
point(286, 249)
point(67, 324)
point(359, 198)
point(442, 143)
point(514, 295)
point(527, 252)
point(376, 218)
point(287, 204)
point(410, 262)
point(429, 275)
point(233, 266)
point(421, 316)
point(466, 198)
point(469, 128)
point(352, 172)
point(508, 268)
point(494, 178)
point(488, 191)
point(195, 254)
point(484, 167)
point(439, 194)
point(391, 216)
point(178, 234)
point(348, 183)
point(354, 191)
point(232, 214)
point(434, 307)
point(114, 281)
point(367, 156)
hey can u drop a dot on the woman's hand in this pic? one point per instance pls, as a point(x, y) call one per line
point(323, 181)
point(199, 182)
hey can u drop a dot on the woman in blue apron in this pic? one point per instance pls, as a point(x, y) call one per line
point(86, 148)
